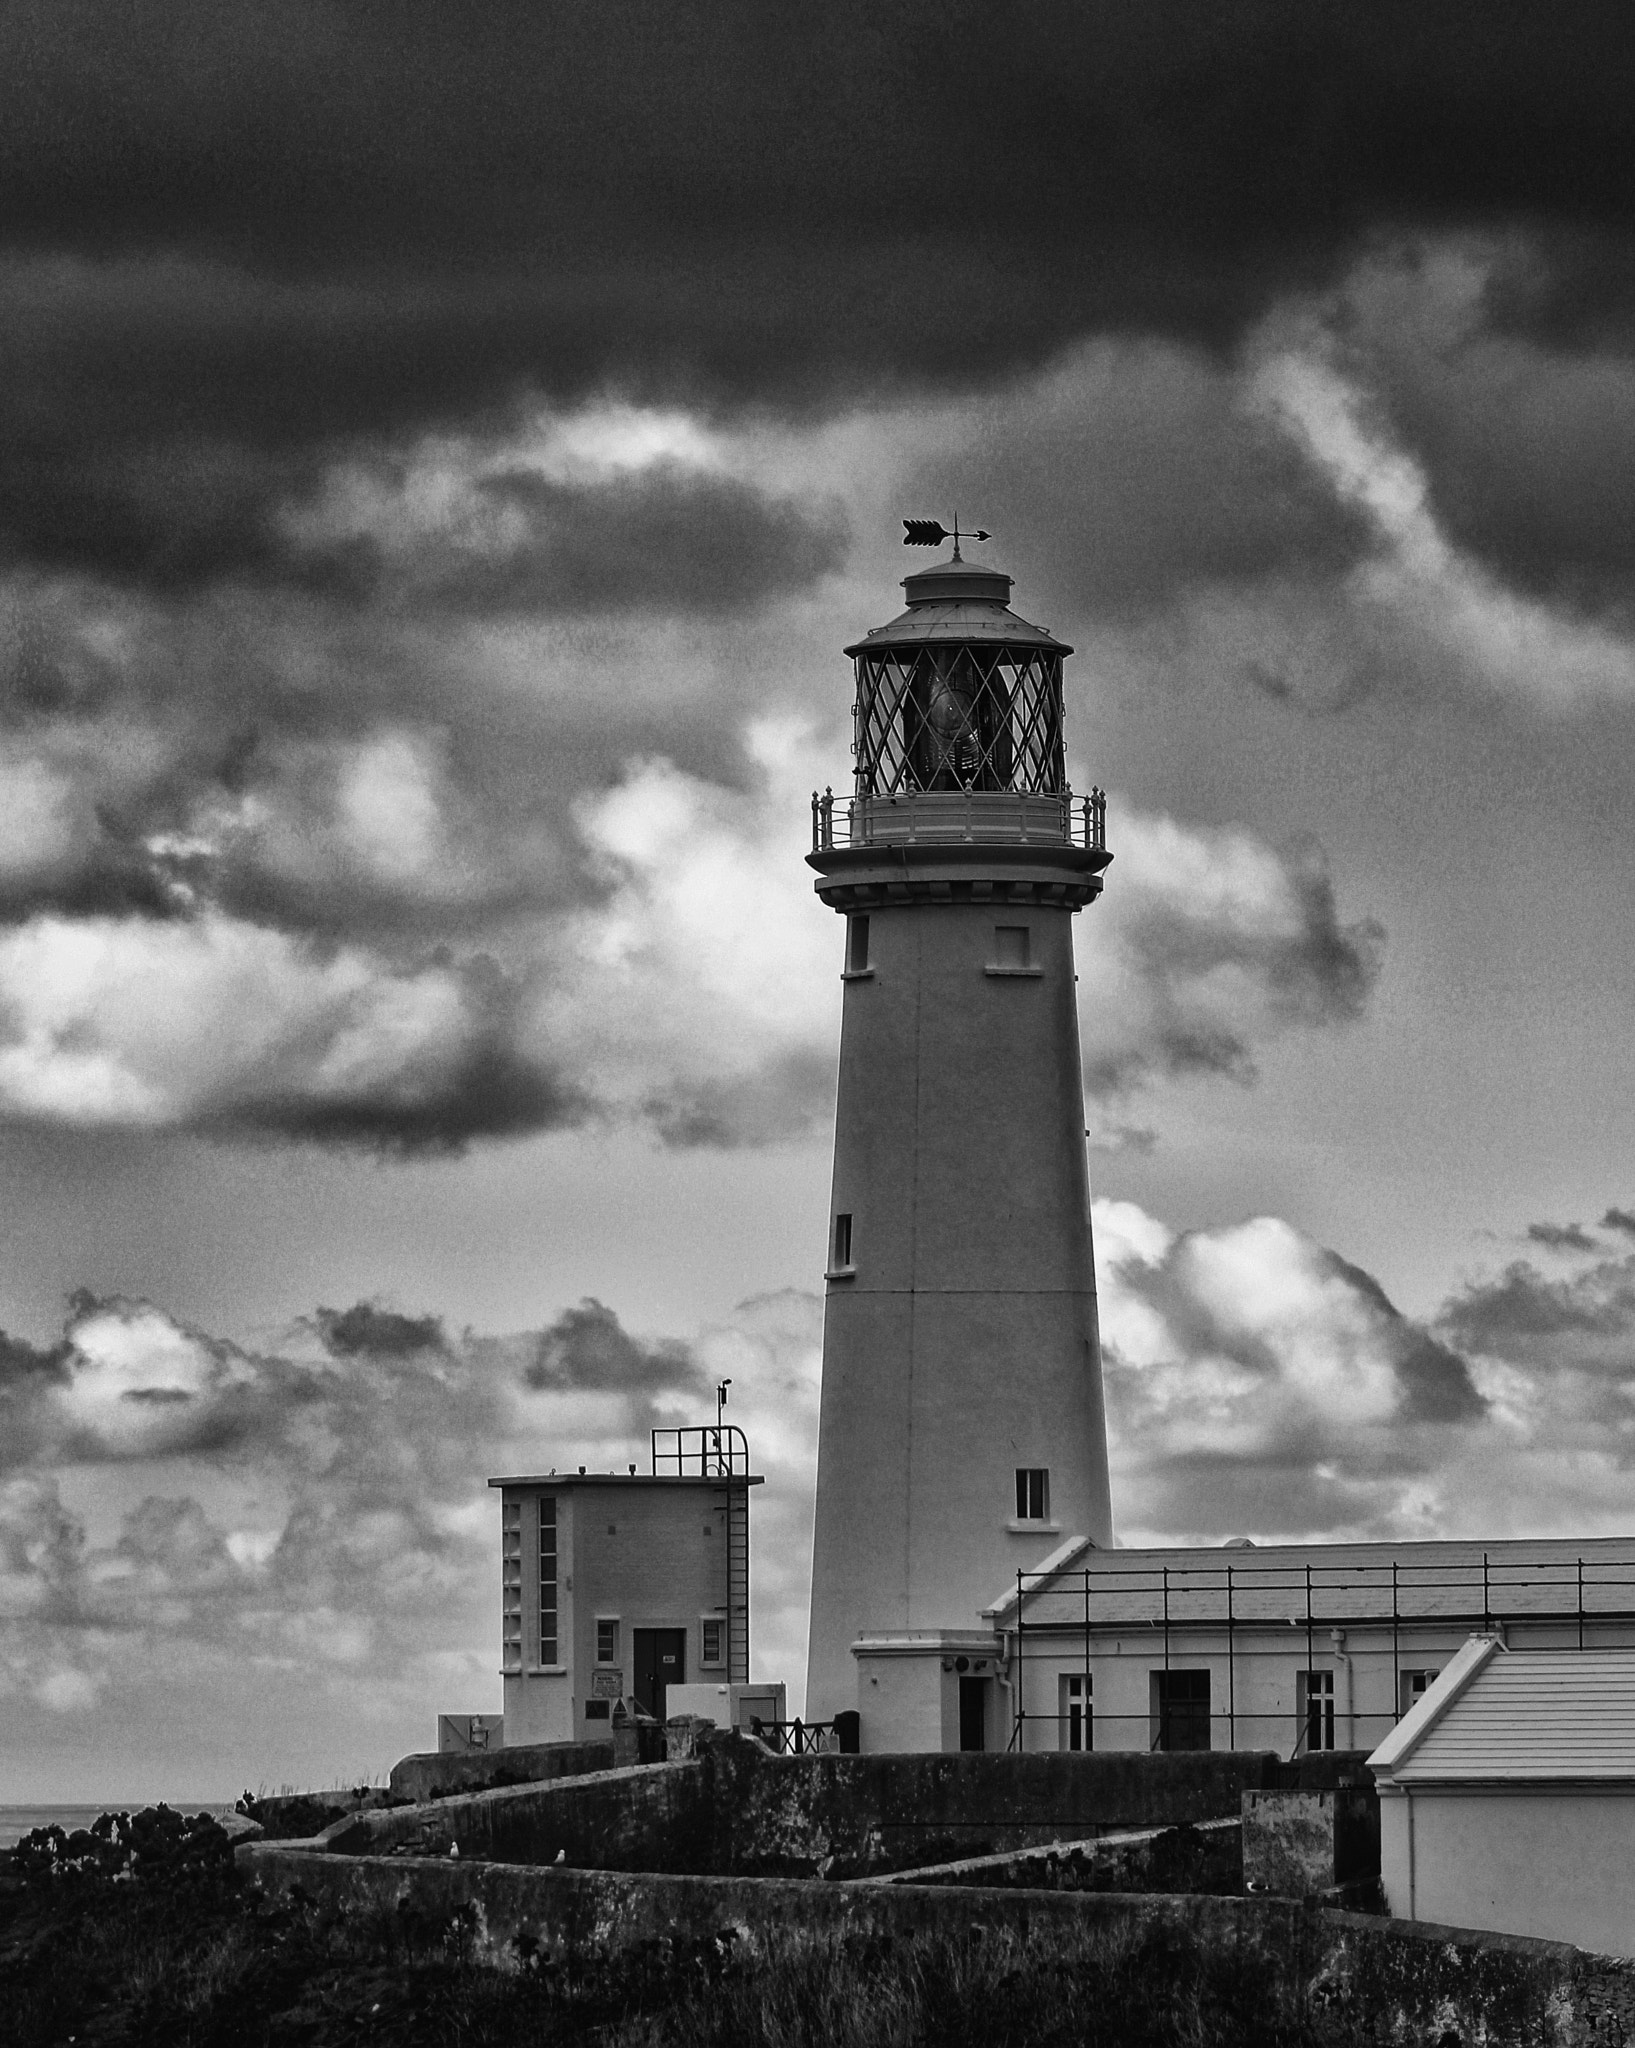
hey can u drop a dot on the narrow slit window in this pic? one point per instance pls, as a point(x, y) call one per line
point(843, 1241)
point(607, 1642)
point(715, 1639)
point(547, 1579)
point(1010, 946)
point(857, 945)
point(1032, 1493)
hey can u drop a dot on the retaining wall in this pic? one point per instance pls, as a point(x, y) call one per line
point(1413, 1983)
point(734, 1809)
point(435, 1774)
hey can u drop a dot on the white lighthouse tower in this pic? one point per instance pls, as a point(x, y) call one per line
point(962, 1434)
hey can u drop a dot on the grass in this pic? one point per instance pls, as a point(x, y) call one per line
point(169, 1950)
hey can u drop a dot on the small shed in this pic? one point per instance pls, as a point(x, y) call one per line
point(1507, 1797)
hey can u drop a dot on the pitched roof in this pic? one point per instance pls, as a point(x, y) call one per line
point(1518, 1716)
point(1458, 1582)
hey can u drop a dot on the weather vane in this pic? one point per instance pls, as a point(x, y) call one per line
point(931, 533)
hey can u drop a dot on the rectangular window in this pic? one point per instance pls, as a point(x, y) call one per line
point(857, 945)
point(1032, 1493)
point(607, 1641)
point(1076, 1711)
point(1180, 1710)
point(715, 1643)
point(547, 1578)
point(843, 1243)
point(1413, 1687)
point(511, 1585)
point(1316, 1702)
point(1010, 945)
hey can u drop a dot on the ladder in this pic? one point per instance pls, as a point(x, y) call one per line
point(738, 1585)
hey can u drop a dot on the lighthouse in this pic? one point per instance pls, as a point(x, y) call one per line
point(962, 1435)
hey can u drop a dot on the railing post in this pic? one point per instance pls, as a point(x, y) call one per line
point(1231, 1672)
point(1396, 1673)
point(1085, 1722)
point(1581, 1603)
point(1487, 1609)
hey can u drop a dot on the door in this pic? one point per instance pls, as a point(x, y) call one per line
point(973, 1713)
point(660, 1661)
point(1180, 1709)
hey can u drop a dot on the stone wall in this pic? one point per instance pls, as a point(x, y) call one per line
point(435, 1774)
point(735, 1809)
point(1413, 1983)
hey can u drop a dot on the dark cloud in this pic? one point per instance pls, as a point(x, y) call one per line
point(382, 1332)
point(588, 1347)
point(1562, 1237)
point(289, 232)
point(1587, 1319)
point(664, 540)
point(1619, 1219)
point(27, 1365)
point(1137, 474)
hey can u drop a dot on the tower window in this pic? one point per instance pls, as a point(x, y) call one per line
point(857, 945)
point(843, 1242)
point(547, 1578)
point(1032, 1493)
point(607, 1641)
point(1012, 951)
point(715, 1643)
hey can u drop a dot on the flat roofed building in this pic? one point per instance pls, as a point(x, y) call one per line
point(618, 1585)
point(1507, 1796)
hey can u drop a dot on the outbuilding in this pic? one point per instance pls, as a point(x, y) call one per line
point(1507, 1796)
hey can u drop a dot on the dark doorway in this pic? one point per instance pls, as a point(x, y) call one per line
point(973, 1713)
point(1180, 1709)
point(660, 1661)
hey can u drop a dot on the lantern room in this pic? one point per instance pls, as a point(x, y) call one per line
point(958, 724)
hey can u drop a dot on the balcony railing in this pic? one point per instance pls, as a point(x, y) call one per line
point(956, 817)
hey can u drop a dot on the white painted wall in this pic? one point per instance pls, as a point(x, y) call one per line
point(966, 1343)
point(1554, 1862)
point(646, 1554)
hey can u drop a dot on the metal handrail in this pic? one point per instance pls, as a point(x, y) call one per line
point(708, 1451)
point(953, 817)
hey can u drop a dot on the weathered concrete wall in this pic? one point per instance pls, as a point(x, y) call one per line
point(650, 1817)
point(1412, 1982)
point(735, 1809)
point(1207, 1858)
point(1296, 1844)
point(434, 1775)
point(841, 1816)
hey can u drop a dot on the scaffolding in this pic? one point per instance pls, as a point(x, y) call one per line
point(1249, 1610)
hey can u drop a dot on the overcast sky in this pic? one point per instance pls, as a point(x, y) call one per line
point(443, 452)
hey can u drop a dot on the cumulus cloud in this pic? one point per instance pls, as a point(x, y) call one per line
point(309, 1527)
point(1209, 943)
point(1259, 1385)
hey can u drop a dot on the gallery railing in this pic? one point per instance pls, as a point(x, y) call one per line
point(956, 817)
point(1579, 1601)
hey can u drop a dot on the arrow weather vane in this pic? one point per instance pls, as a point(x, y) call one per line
point(931, 533)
